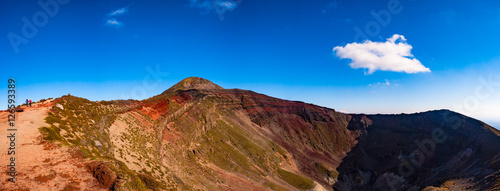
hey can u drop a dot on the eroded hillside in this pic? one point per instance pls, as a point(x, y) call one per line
point(198, 136)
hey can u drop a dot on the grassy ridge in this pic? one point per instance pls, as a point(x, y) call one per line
point(78, 122)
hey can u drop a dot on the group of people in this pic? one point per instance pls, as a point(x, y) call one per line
point(28, 103)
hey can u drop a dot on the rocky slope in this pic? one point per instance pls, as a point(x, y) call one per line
point(422, 151)
point(198, 135)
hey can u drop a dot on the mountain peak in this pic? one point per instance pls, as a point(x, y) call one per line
point(195, 83)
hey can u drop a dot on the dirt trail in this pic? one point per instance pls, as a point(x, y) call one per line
point(40, 165)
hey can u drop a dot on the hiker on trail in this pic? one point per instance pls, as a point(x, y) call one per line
point(27, 103)
point(30, 103)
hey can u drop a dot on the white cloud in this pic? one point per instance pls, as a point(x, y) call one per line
point(113, 22)
point(227, 5)
point(118, 12)
point(383, 84)
point(111, 18)
point(344, 111)
point(220, 6)
point(391, 55)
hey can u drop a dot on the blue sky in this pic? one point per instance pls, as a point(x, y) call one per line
point(442, 55)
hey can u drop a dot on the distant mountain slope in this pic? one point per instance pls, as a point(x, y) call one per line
point(198, 135)
point(410, 152)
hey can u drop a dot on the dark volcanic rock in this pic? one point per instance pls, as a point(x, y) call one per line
point(401, 152)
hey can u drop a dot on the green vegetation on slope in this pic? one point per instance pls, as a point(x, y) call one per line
point(296, 180)
point(78, 122)
point(325, 170)
point(131, 181)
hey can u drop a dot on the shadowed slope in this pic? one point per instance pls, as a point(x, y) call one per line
point(412, 151)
